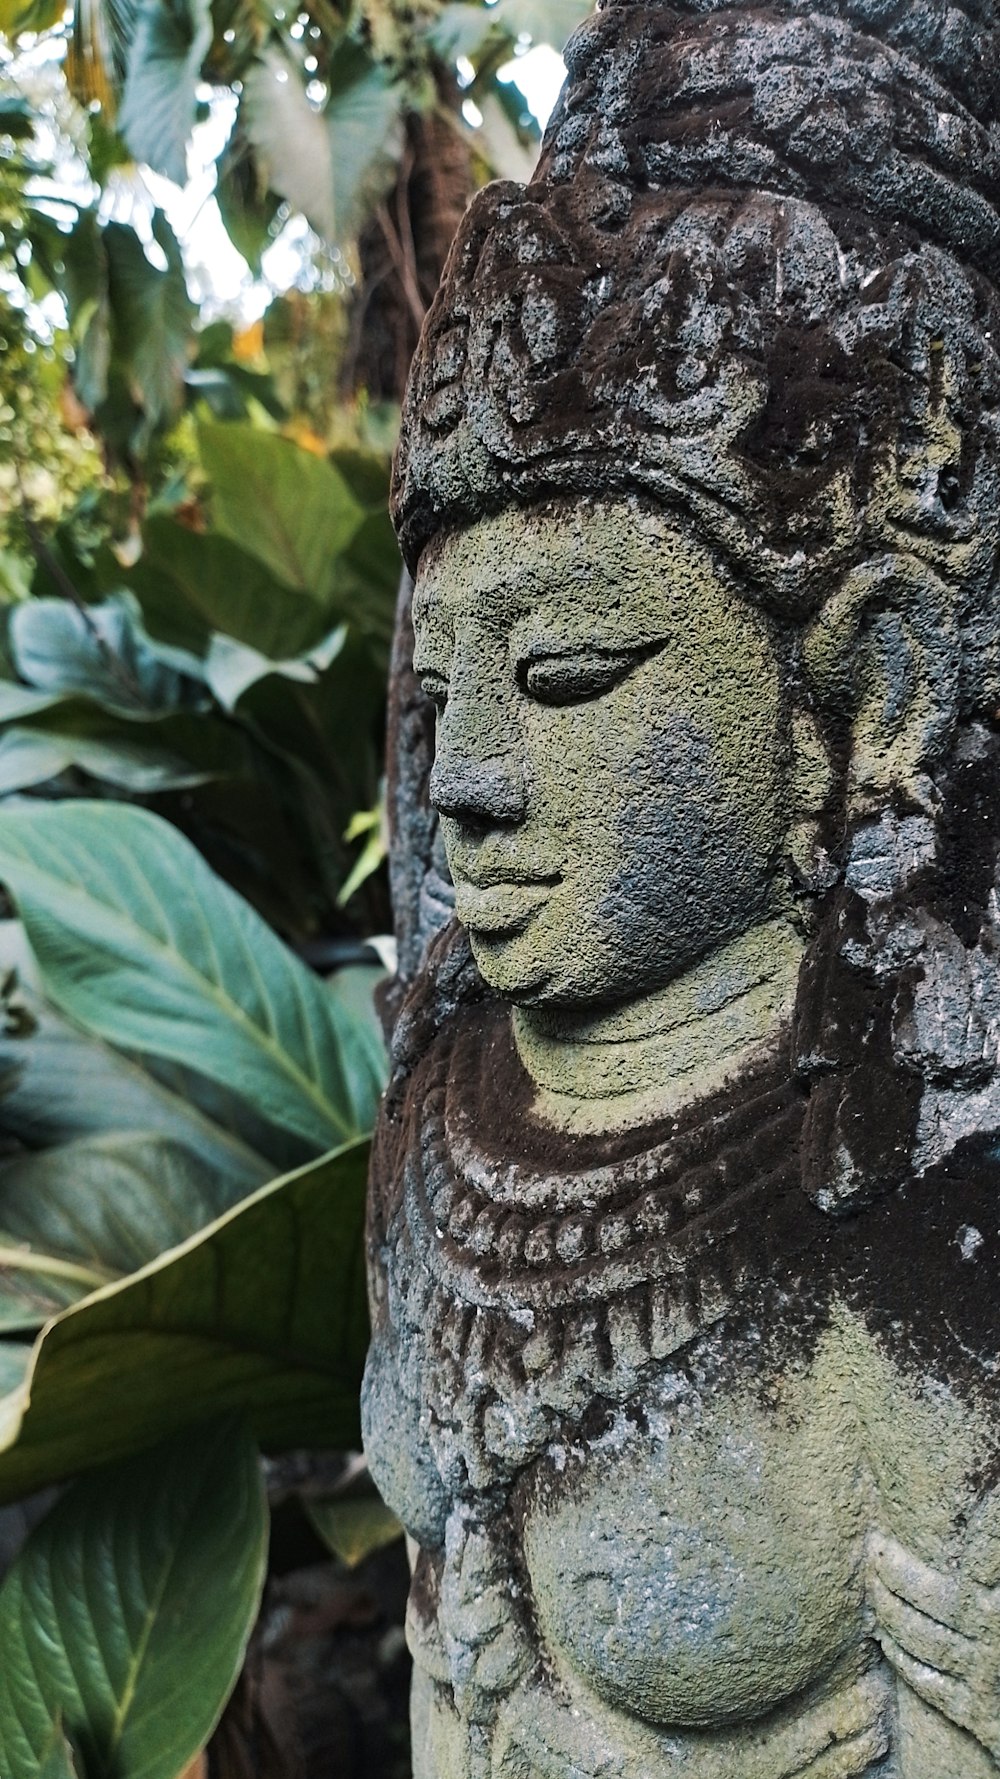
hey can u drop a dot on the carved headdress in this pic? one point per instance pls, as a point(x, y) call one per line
point(752, 277)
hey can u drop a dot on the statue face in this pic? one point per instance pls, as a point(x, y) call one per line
point(611, 749)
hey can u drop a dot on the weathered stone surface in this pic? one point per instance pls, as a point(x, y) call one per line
point(685, 1221)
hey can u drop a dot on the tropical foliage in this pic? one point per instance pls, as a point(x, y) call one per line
point(197, 585)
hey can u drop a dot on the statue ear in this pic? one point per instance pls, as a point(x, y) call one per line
point(883, 657)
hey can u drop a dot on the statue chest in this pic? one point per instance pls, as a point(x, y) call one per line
point(689, 1561)
point(705, 1564)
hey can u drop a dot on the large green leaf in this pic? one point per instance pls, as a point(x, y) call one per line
point(157, 115)
point(286, 506)
point(99, 653)
point(139, 942)
point(332, 166)
point(362, 117)
point(31, 757)
point(263, 1312)
point(190, 584)
point(76, 1217)
point(61, 1084)
point(126, 1616)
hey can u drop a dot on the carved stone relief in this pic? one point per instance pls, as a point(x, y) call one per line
point(684, 1232)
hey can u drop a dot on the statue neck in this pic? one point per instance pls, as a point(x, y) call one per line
point(650, 1057)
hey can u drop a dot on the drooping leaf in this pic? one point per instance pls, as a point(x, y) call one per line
point(263, 1312)
point(330, 165)
point(76, 1217)
point(362, 117)
point(288, 136)
point(190, 584)
point(80, 273)
point(461, 27)
point(286, 506)
point(152, 317)
point(231, 668)
point(157, 116)
point(139, 942)
point(247, 208)
point(126, 1615)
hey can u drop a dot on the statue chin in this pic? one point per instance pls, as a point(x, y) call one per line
point(683, 1241)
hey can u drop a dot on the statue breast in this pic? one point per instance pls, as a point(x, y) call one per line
point(701, 1566)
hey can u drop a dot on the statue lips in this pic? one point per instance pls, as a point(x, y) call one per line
point(498, 903)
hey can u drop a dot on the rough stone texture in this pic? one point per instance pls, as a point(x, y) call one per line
point(684, 1234)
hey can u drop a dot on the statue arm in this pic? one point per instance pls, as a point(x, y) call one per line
point(940, 1633)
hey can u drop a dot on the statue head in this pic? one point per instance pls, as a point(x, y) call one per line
point(700, 483)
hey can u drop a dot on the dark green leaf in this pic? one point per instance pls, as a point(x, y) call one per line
point(16, 120)
point(126, 1616)
point(263, 1312)
point(62, 1084)
point(139, 942)
point(152, 319)
point(56, 1760)
point(92, 1211)
point(219, 391)
point(190, 584)
point(291, 509)
point(248, 209)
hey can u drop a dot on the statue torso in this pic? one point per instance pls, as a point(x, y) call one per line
point(625, 1394)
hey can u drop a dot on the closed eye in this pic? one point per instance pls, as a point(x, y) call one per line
point(575, 678)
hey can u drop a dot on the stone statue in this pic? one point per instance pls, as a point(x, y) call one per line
point(684, 1223)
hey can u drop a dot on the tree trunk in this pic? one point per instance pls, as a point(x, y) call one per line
point(403, 250)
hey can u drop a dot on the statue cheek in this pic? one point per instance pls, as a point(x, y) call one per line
point(692, 860)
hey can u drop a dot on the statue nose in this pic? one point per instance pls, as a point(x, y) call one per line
point(479, 792)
